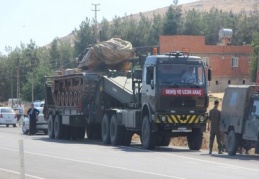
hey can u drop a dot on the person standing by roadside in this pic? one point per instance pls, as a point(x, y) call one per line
point(32, 113)
point(213, 127)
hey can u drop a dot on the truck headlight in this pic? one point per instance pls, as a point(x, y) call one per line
point(202, 119)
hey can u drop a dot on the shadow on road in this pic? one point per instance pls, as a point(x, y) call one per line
point(236, 157)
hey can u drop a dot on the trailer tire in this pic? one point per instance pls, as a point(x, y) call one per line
point(194, 139)
point(149, 138)
point(58, 127)
point(116, 131)
point(232, 142)
point(106, 129)
point(51, 126)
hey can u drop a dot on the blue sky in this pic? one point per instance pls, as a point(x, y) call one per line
point(44, 20)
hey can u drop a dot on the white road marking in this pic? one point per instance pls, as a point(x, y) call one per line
point(98, 164)
point(18, 173)
point(198, 160)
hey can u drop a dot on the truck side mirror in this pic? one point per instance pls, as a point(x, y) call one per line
point(209, 74)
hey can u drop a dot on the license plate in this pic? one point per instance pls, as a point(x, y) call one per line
point(182, 129)
point(8, 121)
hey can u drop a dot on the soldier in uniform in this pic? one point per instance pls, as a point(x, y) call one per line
point(213, 127)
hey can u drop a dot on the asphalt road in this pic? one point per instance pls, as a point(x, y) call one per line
point(54, 159)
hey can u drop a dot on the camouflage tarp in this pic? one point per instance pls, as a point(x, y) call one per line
point(109, 52)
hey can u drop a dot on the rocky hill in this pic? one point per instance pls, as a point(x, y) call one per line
point(235, 6)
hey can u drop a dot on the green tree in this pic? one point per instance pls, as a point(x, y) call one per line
point(254, 57)
point(172, 20)
point(84, 37)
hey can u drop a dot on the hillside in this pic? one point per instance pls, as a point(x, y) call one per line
point(235, 6)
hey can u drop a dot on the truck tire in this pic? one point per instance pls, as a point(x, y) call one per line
point(194, 139)
point(232, 142)
point(51, 126)
point(106, 129)
point(116, 131)
point(58, 128)
point(149, 138)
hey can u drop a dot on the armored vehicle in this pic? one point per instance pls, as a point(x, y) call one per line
point(240, 118)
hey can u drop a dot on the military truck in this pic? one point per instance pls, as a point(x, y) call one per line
point(150, 99)
point(240, 118)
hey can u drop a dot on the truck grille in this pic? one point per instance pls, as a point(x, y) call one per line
point(166, 103)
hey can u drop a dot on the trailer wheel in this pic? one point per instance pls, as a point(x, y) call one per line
point(194, 139)
point(232, 142)
point(106, 129)
point(116, 131)
point(148, 137)
point(58, 128)
point(51, 126)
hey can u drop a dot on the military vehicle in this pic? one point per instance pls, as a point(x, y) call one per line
point(150, 99)
point(240, 118)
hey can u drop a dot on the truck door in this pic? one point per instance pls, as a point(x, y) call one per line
point(252, 124)
point(148, 88)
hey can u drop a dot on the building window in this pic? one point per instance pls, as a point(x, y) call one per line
point(229, 82)
point(244, 82)
point(234, 61)
point(205, 61)
point(217, 82)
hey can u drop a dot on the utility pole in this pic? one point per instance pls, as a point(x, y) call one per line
point(18, 79)
point(96, 23)
point(12, 86)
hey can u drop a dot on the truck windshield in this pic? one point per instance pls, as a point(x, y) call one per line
point(181, 74)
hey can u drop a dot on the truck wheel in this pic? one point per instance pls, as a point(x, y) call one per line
point(51, 126)
point(58, 128)
point(148, 137)
point(106, 130)
point(195, 139)
point(232, 142)
point(116, 131)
